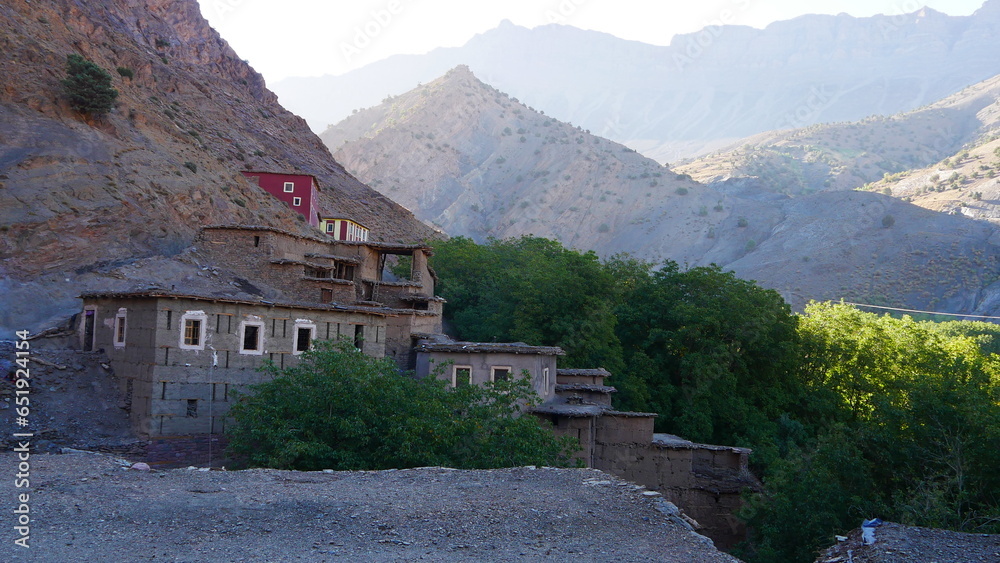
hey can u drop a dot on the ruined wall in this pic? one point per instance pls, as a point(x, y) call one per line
point(705, 481)
point(132, 362)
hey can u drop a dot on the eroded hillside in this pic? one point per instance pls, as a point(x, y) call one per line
point(81, 195)
point(478, 163)
point(843, 156)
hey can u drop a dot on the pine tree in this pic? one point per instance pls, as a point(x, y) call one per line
point(88, 86)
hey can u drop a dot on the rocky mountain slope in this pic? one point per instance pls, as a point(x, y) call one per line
point(475, 162)
point(81, 196)
point(849, 155)
point(703, 91)
point(479, 163)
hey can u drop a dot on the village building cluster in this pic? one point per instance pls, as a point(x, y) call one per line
point(180, 356)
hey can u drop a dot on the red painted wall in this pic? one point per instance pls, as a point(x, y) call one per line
point(304, 187)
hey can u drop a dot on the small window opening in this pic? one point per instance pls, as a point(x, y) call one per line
point(192, 408)
point(326, 296)
point(359, 336)
point(289, 187)
point(192, 332)
point(462, 376)
point(501, 374)
point(303, 339)
point(251, 338)
point(256, 241)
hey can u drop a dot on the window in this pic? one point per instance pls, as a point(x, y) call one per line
point(461, 375)
point(252, 337)
point(545, 379)
point(193, 330)
point(120, 328)
point(289, 187)
point(359, 336)
point(192, 408)
point(89, 323)
point(296, 201)
point(330, 227)
point(500, 373)
point(325, 295)
point(304, 335)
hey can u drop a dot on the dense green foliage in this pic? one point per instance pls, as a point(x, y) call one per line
point(906, 426)
point(530, 290)
point(340, 409)
point(88, 86)
point(850, 415)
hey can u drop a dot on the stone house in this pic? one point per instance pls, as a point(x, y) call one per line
point(179, 357)
point(476, 363)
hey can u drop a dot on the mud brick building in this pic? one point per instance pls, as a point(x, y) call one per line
point(706, 481)
point(180, 356)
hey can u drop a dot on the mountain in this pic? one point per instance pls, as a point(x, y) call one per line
point(478, 163)
point(472, 161)
point(851, 154)
point(703, 91)
point(81, 197)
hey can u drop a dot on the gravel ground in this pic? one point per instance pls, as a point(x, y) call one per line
point(895, 543)
point(89, 507)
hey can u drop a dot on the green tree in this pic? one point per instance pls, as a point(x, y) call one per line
point(714, 355)
point(340, 409)
point(902, 421)
point(532, 290)
point(88, 86)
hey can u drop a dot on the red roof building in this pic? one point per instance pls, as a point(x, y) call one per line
point(299, 191)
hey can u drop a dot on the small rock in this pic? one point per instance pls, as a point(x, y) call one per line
point(140, 466)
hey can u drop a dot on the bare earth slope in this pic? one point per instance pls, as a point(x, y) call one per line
point(82, 195)
point(478, 163)
point(88, 508)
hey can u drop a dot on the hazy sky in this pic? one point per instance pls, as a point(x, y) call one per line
point(284, 38)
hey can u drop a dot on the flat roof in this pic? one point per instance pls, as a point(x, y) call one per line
point(161, 294)
point(490, 348)
point(678, 443)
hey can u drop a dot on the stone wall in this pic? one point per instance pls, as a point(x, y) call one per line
point(170, 390)
point(184, 451)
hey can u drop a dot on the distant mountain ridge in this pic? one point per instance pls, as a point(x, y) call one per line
point(702, 91)
point(475, 162)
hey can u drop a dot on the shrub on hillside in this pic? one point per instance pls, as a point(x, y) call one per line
point(88, 86)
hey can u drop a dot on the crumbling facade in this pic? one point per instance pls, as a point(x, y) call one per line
point(705, 480)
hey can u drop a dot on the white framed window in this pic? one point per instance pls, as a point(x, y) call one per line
point(296, 201)
point(252, 337)
point(545, 379)
point(193, 326)
point(120, 328)
point(304, 334)
point(500, 373)
point(329, 227)
point(289, 187)
point(461, 375)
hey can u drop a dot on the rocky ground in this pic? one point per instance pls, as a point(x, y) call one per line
point(895, 543)
point(91, 507)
